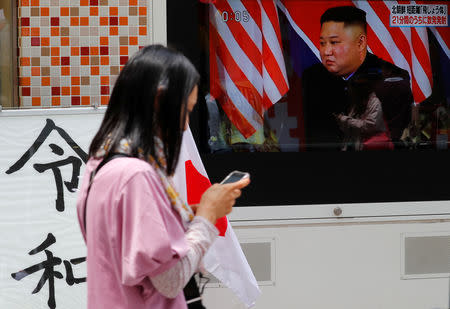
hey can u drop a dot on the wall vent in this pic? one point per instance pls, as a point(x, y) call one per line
point(425, 255)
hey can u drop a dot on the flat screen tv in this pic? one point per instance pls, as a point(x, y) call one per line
point(322, 102)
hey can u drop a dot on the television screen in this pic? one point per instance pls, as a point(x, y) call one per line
point(325, 101)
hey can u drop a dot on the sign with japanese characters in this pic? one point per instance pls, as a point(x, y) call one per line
point(413, 15)
point(42, 252)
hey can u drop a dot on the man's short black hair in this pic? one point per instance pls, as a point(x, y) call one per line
point(350, 15)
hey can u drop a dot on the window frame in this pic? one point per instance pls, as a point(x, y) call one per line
point(14, 62)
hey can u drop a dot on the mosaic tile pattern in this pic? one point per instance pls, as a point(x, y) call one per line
point(71, 51)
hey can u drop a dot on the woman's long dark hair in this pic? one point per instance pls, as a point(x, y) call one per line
point(149, 99)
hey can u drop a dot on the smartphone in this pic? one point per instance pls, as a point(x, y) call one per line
point(235, 176)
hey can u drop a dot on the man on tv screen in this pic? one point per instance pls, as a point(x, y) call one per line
point(334, 117)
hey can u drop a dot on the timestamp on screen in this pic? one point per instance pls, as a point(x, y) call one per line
point(238, 16)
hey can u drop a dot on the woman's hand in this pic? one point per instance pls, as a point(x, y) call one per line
point(219, 199)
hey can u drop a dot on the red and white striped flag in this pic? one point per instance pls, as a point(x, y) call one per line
point(406, 47)
point(247, 68)
point(224, 259)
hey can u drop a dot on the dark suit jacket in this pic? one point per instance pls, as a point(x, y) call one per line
point(325, 94)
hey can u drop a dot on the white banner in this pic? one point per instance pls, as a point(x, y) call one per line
point(42, 253)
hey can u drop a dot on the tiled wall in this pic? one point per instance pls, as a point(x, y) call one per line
point(71, 51)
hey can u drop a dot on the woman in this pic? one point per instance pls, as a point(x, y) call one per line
point(364, 126)
point(143, 242)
